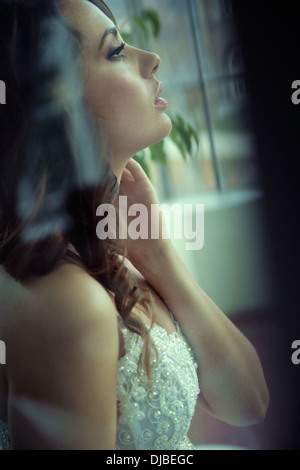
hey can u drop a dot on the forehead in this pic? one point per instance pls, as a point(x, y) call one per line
point(87, 19)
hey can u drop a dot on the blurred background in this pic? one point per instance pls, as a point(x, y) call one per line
point(205, 78)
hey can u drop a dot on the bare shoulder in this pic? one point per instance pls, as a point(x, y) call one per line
point(67, 285)
point(61, 315)
point(70, 294)
point(63, 348)
point(68, 279)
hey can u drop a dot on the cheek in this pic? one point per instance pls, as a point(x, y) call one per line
point(113, 97)
point(125, 103)
point(112, 104)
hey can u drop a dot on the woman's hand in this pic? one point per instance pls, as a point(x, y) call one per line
point(145, 236)
point(136, 185)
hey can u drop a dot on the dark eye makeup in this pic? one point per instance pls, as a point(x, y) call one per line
point(115, 53)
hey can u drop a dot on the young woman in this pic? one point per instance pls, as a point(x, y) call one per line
point(107, 344)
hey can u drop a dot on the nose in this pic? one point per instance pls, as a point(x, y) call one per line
point(149, 64)
point(155, 64)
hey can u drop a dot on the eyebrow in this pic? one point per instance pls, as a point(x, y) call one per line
point(107, 33)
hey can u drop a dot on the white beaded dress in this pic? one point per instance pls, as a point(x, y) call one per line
point(153, 415)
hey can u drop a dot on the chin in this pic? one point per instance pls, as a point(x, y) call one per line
point(164, 131)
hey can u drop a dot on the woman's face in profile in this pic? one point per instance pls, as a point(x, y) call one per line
point(120, 84)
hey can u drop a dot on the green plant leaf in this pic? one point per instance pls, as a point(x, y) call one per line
point(175, 137)
point(158, 153)
point(140, 158)
point(152, 17)
point(140, 26)
point(185, 134)
point(181, 135)
point(185, 137)
point(194, 134)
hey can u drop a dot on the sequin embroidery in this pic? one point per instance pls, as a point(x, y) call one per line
point(157, 415)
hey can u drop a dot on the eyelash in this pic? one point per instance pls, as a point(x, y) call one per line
point(116, 52)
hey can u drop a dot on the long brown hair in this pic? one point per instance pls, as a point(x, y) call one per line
point(51, 176)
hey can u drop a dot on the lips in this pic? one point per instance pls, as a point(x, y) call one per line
point(160, 102)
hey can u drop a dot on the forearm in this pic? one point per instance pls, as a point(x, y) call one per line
point(230, 373)
point(231, 377)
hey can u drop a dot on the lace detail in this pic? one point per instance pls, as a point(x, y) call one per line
point(157, 415)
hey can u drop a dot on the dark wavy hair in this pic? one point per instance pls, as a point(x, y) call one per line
point(54, 168)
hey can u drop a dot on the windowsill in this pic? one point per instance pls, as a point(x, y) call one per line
point(214, 200)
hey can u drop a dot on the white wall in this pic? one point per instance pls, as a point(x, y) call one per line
point(234, 266)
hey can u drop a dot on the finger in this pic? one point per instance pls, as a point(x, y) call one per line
point(127, 175)
point(136, 169)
